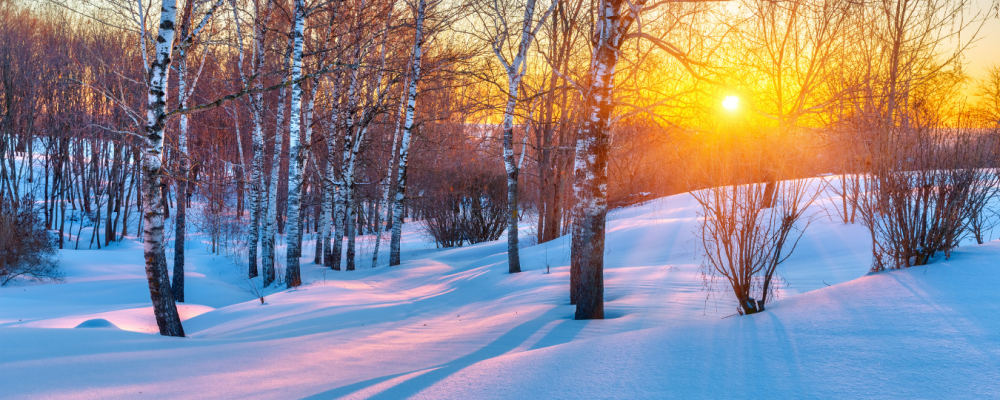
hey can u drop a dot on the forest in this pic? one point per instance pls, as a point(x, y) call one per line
point(288, 136)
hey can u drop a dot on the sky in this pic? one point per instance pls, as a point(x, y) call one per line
point(987, 49)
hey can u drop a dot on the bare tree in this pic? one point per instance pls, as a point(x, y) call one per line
point(987, 106)
point(294, 250)
point(186, 86)
point(515, 64)
point(613, 23)
point(164, 307)
point(420, 14)
point(923, 191)
point(746, 230)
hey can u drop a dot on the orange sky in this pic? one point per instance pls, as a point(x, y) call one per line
point(987, 50)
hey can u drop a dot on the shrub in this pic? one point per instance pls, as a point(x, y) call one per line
point(750, 224)
point(27, 250)
point(927, 189)
point(466, 207)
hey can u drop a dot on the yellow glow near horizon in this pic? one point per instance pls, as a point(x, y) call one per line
point(731, 102)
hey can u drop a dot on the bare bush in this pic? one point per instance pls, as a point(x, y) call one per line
point(747, 229)
point(927, 187)
point(470, 207)
point(27, 250)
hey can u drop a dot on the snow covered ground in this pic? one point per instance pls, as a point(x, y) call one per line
point(453, 324)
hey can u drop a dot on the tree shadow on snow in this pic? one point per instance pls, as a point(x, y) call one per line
point(563, 332)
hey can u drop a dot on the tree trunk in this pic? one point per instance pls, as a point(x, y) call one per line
point(513, 258)
point(296, 156)
point(164, 308)
point(179, 222)
point(338, 227)
point(257, 141)
point(270, 220)
point(180, 217)
point(329, 195)
point(404, 146)
point(256, 185)
point(590, 187)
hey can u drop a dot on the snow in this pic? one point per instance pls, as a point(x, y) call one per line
point(453, 324)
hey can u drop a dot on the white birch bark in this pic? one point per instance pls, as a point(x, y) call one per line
point(164, 308)
point(331, 255)
point(338, 223)
point(590, 187)
point(257, 141)
point(180, 216)
point(307, 152)
point(270, 221)
point(404, 146)
point(388, 176)
point(347, 176)
point(184, 92)
point(296, 155)
point(515, 70)
point(359, 127)
point(326, 208)
point(395, 141)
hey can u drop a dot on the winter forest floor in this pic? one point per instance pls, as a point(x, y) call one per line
point(453, 324)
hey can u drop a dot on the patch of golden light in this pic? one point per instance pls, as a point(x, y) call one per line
point(731, 102)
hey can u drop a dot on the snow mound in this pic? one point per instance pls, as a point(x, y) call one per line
point(139, 319)
point(97, 323)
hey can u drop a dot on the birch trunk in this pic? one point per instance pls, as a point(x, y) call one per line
point(270, 220)
point(331, 256)
point(590, 187)
point(257, 142)
point(294, 239)
point(323, 236)
point(516, 70)
point(180, 218)
point(513, 258)
point(385, 185)
point(307, 127)
point(359, 127)
point(347, 175)
point(255, 190)
point(404, 146)
point(392, 157)
point(338, 226)
point(164, 308)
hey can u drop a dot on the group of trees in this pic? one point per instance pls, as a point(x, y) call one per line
point(342, 118)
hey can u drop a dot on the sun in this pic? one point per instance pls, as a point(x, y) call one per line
point(731, 102)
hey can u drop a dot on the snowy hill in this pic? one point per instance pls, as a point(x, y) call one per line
point(454, 324)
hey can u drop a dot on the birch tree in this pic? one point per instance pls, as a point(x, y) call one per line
point(256, 105)
point(404, 146)
point(385, 183)
point(185, 89)
point(374, 105)
point(590, 169)
point(331, 195)
point(515, 66)
point(270, 221)
point(295, 166)
point(164, 308)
